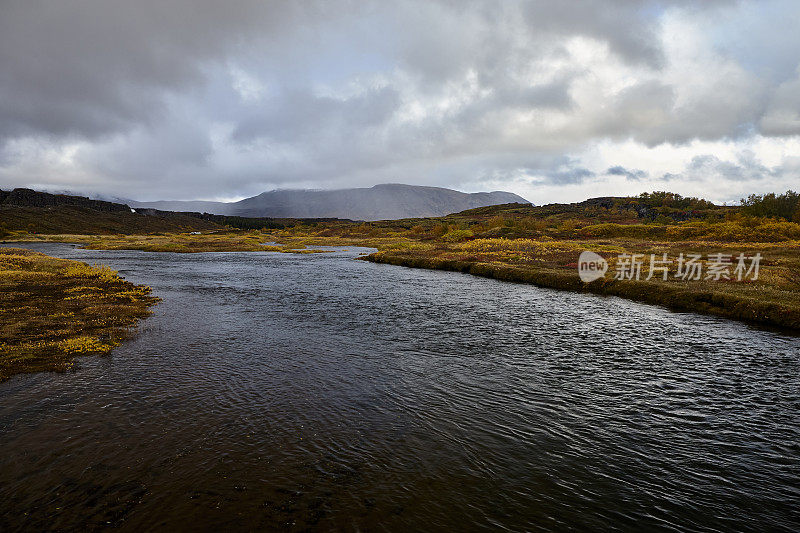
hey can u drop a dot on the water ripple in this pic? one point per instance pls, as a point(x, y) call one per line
point(313, 393)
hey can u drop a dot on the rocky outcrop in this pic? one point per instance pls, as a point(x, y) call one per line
point(29, 198)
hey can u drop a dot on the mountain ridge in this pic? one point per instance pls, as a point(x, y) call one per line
point(389, 201)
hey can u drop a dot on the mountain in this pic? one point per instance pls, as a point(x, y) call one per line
point(185, 206)
point(381, 202)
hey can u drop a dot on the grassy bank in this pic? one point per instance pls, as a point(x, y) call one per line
point(765, 303)
point(212, 241)
point(541, 245)
point(55, 309)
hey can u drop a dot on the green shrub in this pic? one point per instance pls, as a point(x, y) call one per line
point(785, 205)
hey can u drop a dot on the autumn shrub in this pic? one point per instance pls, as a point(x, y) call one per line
point(457, 235)
point(84, 271)
point(775, 231)
point(84, 345)
point(529, 246)
point(738, 230)
point(639, 231)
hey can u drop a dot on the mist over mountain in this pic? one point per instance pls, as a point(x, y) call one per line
point(381, 202)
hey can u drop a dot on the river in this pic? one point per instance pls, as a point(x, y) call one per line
point(283, 391)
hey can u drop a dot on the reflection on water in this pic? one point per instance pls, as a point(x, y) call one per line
point(283, 391)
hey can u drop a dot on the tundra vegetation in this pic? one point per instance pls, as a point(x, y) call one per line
point(228, 240)
point(55, 309)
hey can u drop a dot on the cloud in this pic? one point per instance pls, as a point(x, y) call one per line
point(782, 115)
point(633, 175)
point(747, 167)
point(190, 98)
point(568, 174)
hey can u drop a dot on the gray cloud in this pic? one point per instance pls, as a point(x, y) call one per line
point(782, 116)
point(747, 167)
point(630, 174)
point(90, 67)
point(569, 175)
point(199, 98)
point(302, 116)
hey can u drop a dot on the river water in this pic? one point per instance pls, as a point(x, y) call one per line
point(281, 391)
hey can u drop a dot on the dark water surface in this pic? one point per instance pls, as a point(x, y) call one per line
point(279, 391)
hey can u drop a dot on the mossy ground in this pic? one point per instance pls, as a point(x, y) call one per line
point(56, 309)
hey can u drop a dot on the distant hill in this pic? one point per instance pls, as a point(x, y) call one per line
point(29, 198)
point(381, 202)
point(663, 207)
point(41, 212)
point(47, 213)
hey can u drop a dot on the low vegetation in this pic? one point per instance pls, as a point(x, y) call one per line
point(194, 242)
point(541, 245)
point(55, 309)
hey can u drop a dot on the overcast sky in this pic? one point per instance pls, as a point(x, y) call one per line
point(556, 101)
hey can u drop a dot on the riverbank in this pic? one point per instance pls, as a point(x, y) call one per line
point(773, 299)
point(542, 246)
point(751, 304)
point(54, 310)
point(194, 242)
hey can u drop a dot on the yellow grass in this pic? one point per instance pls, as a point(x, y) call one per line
point(55, 309)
